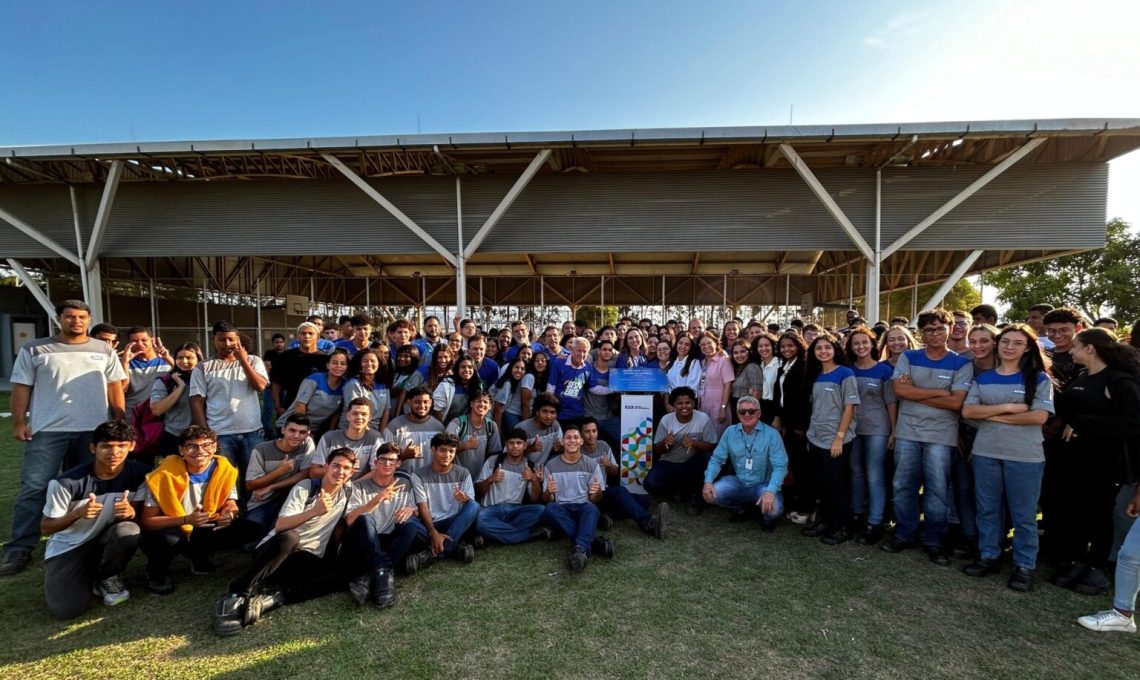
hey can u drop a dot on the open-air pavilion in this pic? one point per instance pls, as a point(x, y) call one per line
point(761, 216)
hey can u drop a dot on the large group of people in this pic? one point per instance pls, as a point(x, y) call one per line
point(353, 453)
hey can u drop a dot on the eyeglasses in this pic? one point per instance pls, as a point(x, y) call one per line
point(1006, 342)
point(208, 446)
point(388, 461)
point(747, 412)
point(935, 330)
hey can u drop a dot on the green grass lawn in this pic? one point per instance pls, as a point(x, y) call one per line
point(713, 600)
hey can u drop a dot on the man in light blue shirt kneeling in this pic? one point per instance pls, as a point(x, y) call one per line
point(758, 455)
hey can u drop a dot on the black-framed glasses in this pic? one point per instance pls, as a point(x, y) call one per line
point(205, 446)
point(935, 330)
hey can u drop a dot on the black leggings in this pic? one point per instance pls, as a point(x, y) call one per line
point(299, 574)
point(833, 474)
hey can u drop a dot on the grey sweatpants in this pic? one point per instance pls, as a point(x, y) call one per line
point(68, 578)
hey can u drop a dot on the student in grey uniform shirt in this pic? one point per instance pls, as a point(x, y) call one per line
point(448, 508)
point(572, 486)
point(477, 434)
point(543, 432)
point(382, 526)
point(682, 444)
point(618, 502)
point(834, 398)
point(321, 396)
point(90, 520)
point(170, 396)
point(369, 381)
point(297, 561)
point(505, 484)
point(224, 395)
point(874, 428)
point(1010, 404)
point(70, 383)
point(413, 431)
point(357, 436)
point(930, 384)
point(275, 467)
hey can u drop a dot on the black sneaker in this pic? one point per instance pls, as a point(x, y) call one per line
point(605, 522)
point(937, 556)
point(814, 531)
point(576, 560)
point(836, 537)
point(1091, 582)
point(14, 562)
point(767, 525)
point(896, 545)
point(360, 588)
point(416, 562)
point(229, 614)
point(695, 506)
point(983, 566)
point(464, 552)
point(1067, 574)
point(871, 535)
point(257, 605)
point(603, 546)
point(1021, 580)
point(656, 527)
point(964, 550)
point(541, 534)
point(202, 566)
point(478, 542)
point(383, 592)
point(161, 586)
point(738, 517)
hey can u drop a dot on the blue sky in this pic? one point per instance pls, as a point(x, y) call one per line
point(76, 72)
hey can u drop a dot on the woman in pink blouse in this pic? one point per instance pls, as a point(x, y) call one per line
point(716, 382)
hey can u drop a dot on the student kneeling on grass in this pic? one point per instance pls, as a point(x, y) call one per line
point(275, 466)
point(191, 507)
point(381, 528)
point(573, 485)
point(297, 561)
point(445, 497)
point(760, 462)
point(90, 521)
point(505, 484)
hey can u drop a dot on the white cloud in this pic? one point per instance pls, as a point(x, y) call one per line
point(904, 24)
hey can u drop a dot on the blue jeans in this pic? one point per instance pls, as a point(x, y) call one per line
point(265, 515)
point(737, 496)
point(1128, 571)
point(1121, 522)
point(925, 465)
point(677, 479)
point(239, 447)
point(579, 521)
point(510, 421)
point(621, 503)
point(508, 523)
point(44, 455)
point(1021, 485)
point(365, 549)
point(964, 508)
point(454, 526)
point(869, 476)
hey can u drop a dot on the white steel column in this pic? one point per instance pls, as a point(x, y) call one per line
point(38, 237)
point(461, 260)
point(91, 257)
point(954, 277)
point(825, 198)
point(969, 191)
point(871, 301)
point(34, 288)
point(79, 244)
point(505, 204)
point(257, 301)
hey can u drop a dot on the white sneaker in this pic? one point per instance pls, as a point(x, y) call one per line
point(798, 517)
point(1109, 620)
point(112, 591)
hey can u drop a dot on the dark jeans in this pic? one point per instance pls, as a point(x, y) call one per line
point(800, 492)
point(299, 574)
point(265, 515)
point(833, 473)
point(161, 547)
point(68, 577)
point(44, 455)
point(454, 527)
point(578, 521)
point(365, 550)
point(621, 503)
point(678, 479)
point(965, 506)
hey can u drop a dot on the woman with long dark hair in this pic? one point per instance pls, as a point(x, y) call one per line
point(748, 378)
point(1009, 403)
point(1101, 412)
point(834, 396)
point(685, 367)
point(321, 396)
point(793, 413)
point(874, 428)
point(766, 356)
point(442, 366)
point(534, 382)
point(366, 380)
point(170, 397)
point(405, 376)
point(982, 340)
point(508, 396)
point(450, 399)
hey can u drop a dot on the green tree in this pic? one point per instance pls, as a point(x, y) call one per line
point(962, 296)
point(1097, 282)
point(597, 316)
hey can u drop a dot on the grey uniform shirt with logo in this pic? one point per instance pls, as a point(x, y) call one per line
point(266, 458)
point(928, 424)
point(572, 479)
point(1004, 441)
point(511, 489)
point(403, 431)
point(69, 383)
point(876, 391)
point(700, 428)
point(439, 489)
point(314, 533)
point(489, 443)
point(365, 449)
point(178, 417)
point(831, 394)
point(546, 437)
point(232, 405)
point(364, 490)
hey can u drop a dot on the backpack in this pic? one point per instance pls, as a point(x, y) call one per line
point(148, 426)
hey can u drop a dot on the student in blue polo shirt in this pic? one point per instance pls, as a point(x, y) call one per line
point(931, 384)
point(487, 369)
point(569, 380)
point(874, 427)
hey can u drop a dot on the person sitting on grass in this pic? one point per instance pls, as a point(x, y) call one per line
point(297, 561)
point(446, 500)
point(617, 501)
point(505, 484)
point(682, 444)
point(90, 521)
point(191, 507)
point(275, 466)
point(760, 462)
point(382, 526)
point(573, 485)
